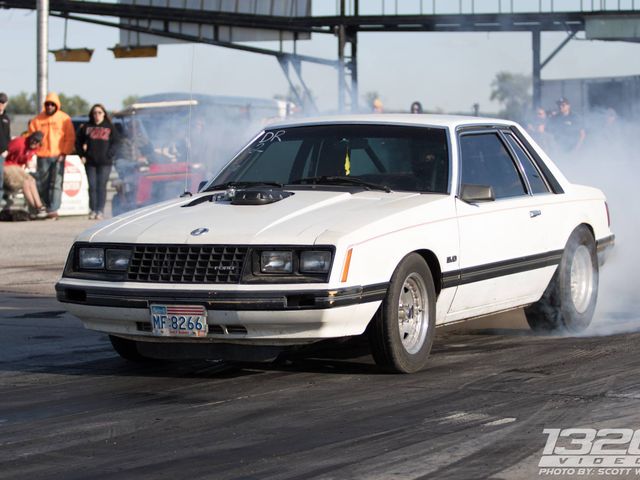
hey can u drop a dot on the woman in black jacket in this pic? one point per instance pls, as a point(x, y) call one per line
point(95, 144)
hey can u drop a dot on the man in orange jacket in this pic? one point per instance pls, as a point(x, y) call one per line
point(58, 142)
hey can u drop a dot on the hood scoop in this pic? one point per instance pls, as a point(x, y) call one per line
point(247, 196)
point(258, 196)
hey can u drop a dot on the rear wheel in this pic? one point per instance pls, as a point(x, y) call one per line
point(127, 349)
point(402, 331)
point(570, 299)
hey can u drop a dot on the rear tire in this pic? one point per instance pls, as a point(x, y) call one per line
point(127, 349)
point(569, 301)
point(401, 333)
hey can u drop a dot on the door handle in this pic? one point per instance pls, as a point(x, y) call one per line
point(534, 213)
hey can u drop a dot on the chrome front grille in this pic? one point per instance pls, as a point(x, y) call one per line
point(187, 264)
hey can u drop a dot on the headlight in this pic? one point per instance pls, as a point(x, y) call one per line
point(118, 259)
point(276, 262)
point(315, 261)
point(91, 258)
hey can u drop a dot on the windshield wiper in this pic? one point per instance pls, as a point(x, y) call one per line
point(337, 180)
point(226, 185)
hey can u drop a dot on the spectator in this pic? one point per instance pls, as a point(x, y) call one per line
point(416, 107)
point(58, 142)
point(96, 145)
point(377, 106)
point(5, 137)
point(16, 177)
point(537, 127)
point(566, 128)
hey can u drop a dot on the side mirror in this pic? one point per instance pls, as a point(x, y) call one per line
point(476, 193)
point(202, 184)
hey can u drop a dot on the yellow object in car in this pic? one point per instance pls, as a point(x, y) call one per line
point(347, 164)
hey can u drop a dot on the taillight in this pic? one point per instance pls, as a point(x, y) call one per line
point(606, 207)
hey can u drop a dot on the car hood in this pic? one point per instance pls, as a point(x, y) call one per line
point(298, 219)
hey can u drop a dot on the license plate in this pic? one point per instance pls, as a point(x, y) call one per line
point(179, 320)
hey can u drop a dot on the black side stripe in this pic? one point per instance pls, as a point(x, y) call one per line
point(500, 269)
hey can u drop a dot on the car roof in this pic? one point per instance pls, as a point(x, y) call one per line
point(432, 120)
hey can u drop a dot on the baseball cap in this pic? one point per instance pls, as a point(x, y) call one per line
point(3, 97)
point(562, 100)
point(36, 137)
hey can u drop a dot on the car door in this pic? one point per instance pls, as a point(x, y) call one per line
point(502, 242)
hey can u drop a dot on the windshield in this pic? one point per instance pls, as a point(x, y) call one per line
point(404, 158)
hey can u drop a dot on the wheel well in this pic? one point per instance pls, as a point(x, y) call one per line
point(434, 266)
point(588, 227)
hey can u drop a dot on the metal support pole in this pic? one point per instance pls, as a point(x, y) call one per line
point(354, 62)
point(558, 48)
point(308, 101)
point(341, 70)
point(42, 52)
point(354, 71)
point(342, 40)
point(535, 42)
point(284, 64)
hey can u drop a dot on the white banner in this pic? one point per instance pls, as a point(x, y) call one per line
point(75, 188)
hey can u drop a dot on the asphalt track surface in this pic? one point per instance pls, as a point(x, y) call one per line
point(70, 408)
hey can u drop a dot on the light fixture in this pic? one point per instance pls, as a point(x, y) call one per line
point(66, 54)
point(120, 51)
point(73, 54)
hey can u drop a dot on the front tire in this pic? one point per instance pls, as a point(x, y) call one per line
point(127, 349)
point(570, 299)
point(401, 333)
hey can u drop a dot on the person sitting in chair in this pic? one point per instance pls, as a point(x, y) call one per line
point(16, 177)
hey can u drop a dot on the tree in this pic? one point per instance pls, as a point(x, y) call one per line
point(25, 103)
point(75, 105)
point(130, 100)
point(22, 104)
point(512, 90)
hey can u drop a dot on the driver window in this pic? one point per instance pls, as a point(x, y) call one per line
point(484, 160)
point(276, 162)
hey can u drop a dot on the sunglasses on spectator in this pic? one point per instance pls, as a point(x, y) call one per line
point(49, 104)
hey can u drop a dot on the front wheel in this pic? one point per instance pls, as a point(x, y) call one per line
point(401, 333)
point(570, 299)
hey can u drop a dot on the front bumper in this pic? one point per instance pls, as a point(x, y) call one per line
point(272, 317)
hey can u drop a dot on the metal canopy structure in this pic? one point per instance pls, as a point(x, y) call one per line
point(349, 20)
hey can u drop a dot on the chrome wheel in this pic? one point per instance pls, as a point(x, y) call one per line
point(401, 333)
point(413, 314)
point(581, 279)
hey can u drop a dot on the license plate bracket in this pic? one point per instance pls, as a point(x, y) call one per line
point(178, 320)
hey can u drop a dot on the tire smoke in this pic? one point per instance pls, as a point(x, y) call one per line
point(609, 160)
